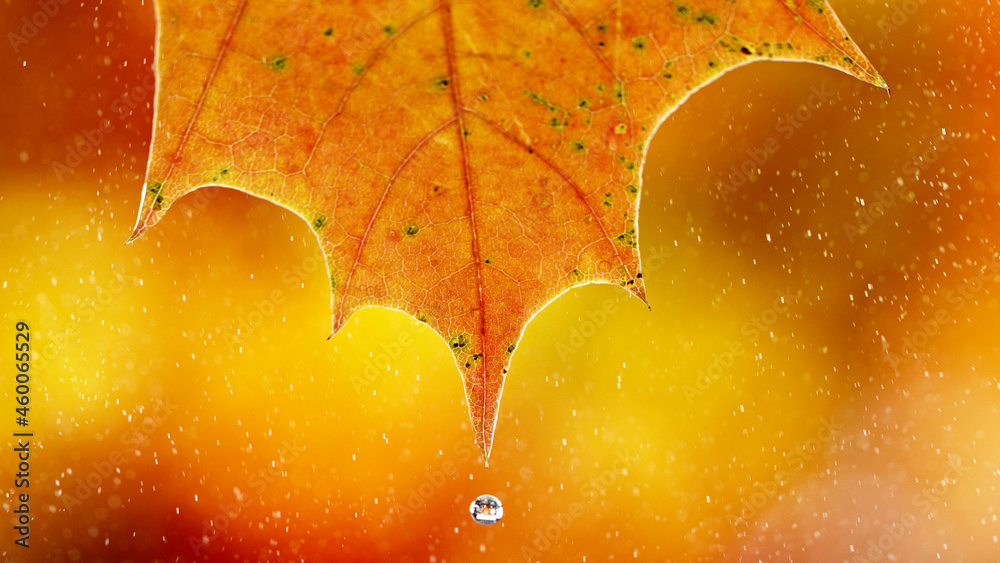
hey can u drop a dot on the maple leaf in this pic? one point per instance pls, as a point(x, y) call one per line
point(463, 162)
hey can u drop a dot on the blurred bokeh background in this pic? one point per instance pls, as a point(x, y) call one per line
point(817, 379)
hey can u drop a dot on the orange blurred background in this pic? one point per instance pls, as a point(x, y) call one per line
point(817, 380)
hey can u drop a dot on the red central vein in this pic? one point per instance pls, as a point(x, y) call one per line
point(456, 96)
point(223, 47)
point(378, 208)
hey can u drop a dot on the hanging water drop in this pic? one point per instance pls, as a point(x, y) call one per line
point(486, 510)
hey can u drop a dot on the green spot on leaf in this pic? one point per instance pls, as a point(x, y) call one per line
point(627, 238)
point(537, 98)
point(278, 63)
point(154, 190)
point(473, 359)
point(705, 18)
point(411, 230)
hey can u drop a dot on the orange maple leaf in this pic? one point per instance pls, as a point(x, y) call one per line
point(464, 162)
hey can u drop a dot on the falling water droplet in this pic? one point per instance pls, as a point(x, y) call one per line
point(486, 510)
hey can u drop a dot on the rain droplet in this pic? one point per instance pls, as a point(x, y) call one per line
point(486, 510)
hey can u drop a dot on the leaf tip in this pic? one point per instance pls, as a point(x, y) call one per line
point(141, 224)
point(638, 289)
point(151, 206)
point(880, 82)
point(338, 323)
point(485, 447)
point(136, 233)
